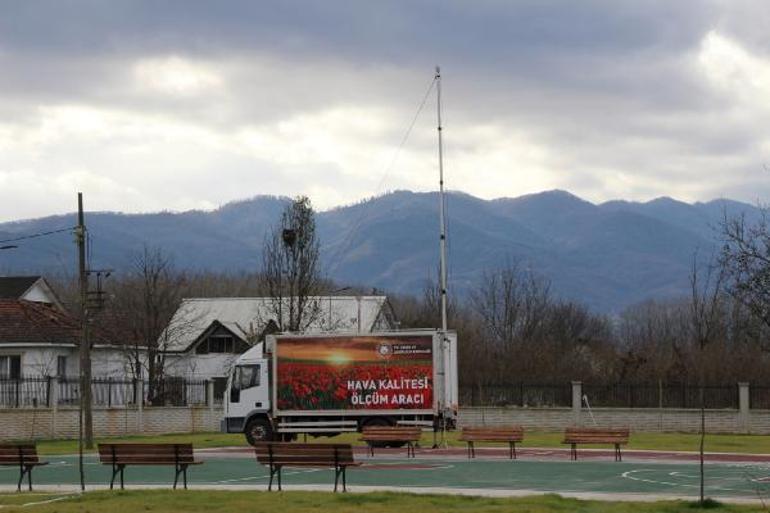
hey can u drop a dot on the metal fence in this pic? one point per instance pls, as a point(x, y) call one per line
point(38, 392)
point(661, 395)
point(517, 394)
point(618, 395)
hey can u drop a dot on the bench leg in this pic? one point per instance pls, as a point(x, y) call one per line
point(573, 452)
point(340, 471)
point(513, 450)
point(29, 477)
point(274, 470)
point(122, 467)
point(409, 450)
point(115, 470)
point(618, 457)
point(181, 469)
point(22, 471)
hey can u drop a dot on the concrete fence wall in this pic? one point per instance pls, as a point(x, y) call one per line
point(49, 423)
point(62, 422)
point(742, 420)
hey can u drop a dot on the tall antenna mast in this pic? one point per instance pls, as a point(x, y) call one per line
point(442, 218)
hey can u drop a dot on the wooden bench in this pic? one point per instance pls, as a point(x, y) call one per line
point(510, 434)
point(374, 435)
point(119, 455)
point(594, 435)
point(277, 455)
point(22, 455)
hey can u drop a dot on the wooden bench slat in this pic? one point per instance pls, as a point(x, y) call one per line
point(120, 455)
point(22, 455)
point(277, 455)
point(509, 434)
point(596, 435)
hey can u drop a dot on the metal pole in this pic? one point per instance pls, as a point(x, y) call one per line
point(442, 220)
point(442, 244)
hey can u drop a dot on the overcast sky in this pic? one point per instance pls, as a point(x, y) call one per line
point(172, 105)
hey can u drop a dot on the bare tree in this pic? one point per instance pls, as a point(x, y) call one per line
point(144, 303)
point(745, 259)
point(291, 268)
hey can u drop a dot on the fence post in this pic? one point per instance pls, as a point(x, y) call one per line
point(660, 404)
point(16, 389)
point(53, 403)
point(109, 392)
point(577, 401)
point(140, 407)
point(210, 394)
point(744, 413)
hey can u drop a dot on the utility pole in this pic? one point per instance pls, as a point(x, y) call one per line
point(85, 421)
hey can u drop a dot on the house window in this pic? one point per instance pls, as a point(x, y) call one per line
point(61, 366)
point(216, 344)
point(10, 366)
point(220, 385)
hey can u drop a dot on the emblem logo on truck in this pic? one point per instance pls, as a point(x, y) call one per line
point(384, 350)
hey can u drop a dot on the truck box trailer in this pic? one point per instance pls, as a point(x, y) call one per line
point(328, 383)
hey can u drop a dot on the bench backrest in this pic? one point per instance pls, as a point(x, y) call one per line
point(596, 435)
point(16, 454)
point(393, 433)
point(146, 454)
point(502, 433)
point(286, 453)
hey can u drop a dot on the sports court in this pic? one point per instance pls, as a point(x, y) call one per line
point(642, 474)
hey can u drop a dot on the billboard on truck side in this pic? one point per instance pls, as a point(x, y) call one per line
point(352, 372)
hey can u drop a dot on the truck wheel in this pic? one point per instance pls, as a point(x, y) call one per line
point(259, 430)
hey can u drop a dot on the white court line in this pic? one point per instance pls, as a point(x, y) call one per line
point(267, 476)
point(38, 503)
point(628, 475)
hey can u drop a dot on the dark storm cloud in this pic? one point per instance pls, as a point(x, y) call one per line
point(612, 95)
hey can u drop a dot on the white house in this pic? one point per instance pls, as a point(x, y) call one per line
point(38, 338)
point(206, 335)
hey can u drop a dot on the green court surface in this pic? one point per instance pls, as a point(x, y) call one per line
point(744, 480)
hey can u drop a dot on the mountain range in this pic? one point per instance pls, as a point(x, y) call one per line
point(607, 255)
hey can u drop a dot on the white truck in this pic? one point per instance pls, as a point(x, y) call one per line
point(327, 383)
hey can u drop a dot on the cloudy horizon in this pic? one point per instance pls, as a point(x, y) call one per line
point(148, 106)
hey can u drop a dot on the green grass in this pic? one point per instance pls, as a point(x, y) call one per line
point(748, 444)
point(163, 501)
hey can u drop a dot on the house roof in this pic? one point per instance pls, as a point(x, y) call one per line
point(27, 322)
point(14, 287)
point(31, 288)
point(247, 317)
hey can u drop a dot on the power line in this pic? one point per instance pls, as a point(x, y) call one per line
point(36, 235)
point(348, 240)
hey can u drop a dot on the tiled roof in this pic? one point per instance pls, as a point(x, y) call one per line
point(25, 322)
point(12, 287)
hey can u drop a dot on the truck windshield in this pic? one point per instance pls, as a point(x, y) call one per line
point(246, 376)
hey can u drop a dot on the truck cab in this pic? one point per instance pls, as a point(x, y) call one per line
point(248, 395)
